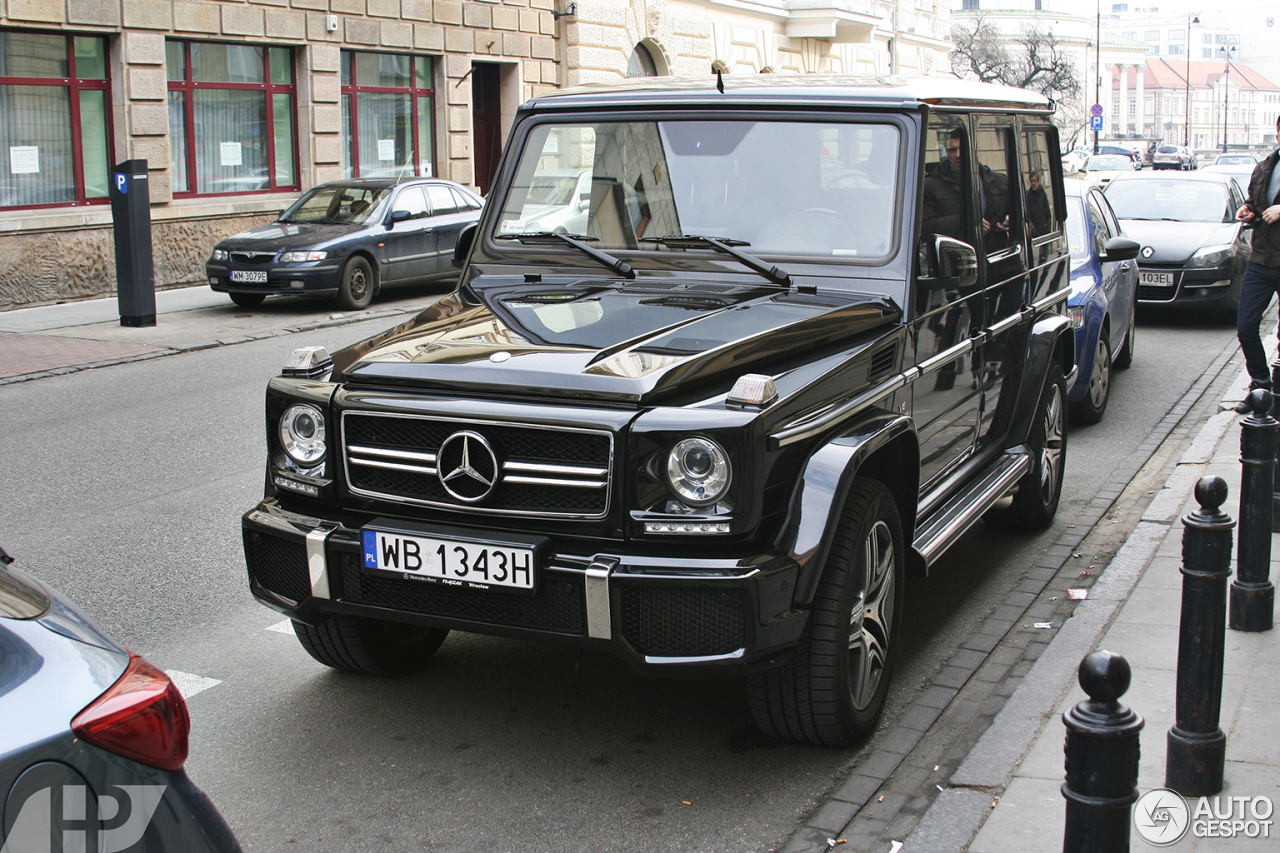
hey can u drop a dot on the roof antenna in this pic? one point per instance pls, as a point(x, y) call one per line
point(719, 78)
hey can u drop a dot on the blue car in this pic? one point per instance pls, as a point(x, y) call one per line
point(1104, 296)
point(92, 738)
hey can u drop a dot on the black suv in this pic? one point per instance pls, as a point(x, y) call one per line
point(805, 332)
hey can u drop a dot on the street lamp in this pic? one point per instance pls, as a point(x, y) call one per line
point(1186, 128)
point(1226, 51)
point(1097, 62)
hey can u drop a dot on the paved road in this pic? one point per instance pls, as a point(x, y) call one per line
point(124, 488)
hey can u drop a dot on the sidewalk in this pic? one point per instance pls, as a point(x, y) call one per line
point(1006, 795)
point(56, 339)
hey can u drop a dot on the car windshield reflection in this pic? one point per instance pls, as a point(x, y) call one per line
point(1177, 201)
point(336, 204)
point(784, 188)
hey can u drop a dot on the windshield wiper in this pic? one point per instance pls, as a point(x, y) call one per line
point(725, 245)
point(621, 267)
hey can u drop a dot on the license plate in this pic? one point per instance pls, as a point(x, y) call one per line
point(1157, 278)
point(249, 276)
point(451, 562)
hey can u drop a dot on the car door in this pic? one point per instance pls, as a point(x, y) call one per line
point(1119, 279)
point(408, 247)
point(947, 317)
point(448, 217)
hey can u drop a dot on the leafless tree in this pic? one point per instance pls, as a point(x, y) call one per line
point(1036, 61)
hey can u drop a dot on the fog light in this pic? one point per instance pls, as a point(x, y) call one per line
point(686, 527)
point(296, 486)
point(295, 283)
point(213, 279)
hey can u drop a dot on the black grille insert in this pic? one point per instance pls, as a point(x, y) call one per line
point(277, 564)
point(682, 621)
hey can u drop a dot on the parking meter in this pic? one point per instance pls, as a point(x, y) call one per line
point(131, 221)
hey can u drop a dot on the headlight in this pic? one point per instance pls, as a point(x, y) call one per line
point(302, 434)
point(301, 257)
point(219, 254)
point(1210, 256)
point(698, 471)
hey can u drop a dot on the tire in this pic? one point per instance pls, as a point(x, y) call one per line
point(248, 300)
point(356, 291)
point(1124, 358)
point(1036, 500)
point(832, 688)
point(370, 646)
point(1094, 405)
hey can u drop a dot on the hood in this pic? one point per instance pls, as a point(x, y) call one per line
point(288, 235)
point(1176, 242)
point(632, 343)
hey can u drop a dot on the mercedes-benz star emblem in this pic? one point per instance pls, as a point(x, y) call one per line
point(1147, 251)
point(467, 466)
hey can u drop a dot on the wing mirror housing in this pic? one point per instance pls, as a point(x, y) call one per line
point(462, 248)
point(397, 216)
point(946, 262)
point(1120, 249)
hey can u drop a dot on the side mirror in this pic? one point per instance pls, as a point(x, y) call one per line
point(946, 262)
point(462, 248)
point(397, 216)
point(1120, 249)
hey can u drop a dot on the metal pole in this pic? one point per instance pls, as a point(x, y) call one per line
point(1101, 759)
point(1196, 747)
point(1226, 100)
point(1251, 604)
point(1097, 83)
point(1186, 128)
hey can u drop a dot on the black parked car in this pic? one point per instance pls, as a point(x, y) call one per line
point(1193, 250)
point(348, 238)
point(711, 430)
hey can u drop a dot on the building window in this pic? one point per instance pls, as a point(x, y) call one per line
point(55, 119)
point(1207, 52)
point(388, 112)
point(1176, 50)
point(641, 63)
point(1176, 35)
point(1151, 35)
point(231, 118)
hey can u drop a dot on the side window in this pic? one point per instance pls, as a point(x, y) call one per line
point(1040, 190)
point(441, 198)
point(463, 202)
point(412, 200)
point(1098, 226)
point(1001, 213)
point(945, 200)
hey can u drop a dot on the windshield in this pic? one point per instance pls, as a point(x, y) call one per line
point(1234, 160)
point(1167, 149)
point(1075, 228)
point(1110, 163)
point(788, 188)
point(1176, 200)
point(351, 205)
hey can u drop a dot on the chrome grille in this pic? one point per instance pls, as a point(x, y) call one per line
point(541, 471)
point(252, 257)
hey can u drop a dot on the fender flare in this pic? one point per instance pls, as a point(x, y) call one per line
point(1051, 336)
point(824, 483)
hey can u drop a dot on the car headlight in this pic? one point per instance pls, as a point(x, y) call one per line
point(220, 254)
point(302, 434)
point(1210, 256)
point(301, 257)
point(698, 471)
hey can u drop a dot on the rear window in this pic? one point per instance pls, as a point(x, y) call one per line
point(20, 597)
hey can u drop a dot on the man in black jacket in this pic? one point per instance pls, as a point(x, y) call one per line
point(1262, 275)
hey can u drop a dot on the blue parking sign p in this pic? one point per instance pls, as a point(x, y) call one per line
point(122, 183)
point(1095, 122)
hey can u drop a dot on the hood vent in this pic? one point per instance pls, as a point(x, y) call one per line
point(882, 364)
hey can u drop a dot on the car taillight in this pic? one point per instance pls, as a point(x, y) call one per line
point(142, 717)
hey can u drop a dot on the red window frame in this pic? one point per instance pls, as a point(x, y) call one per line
point(187, 86)
point(348, 59)
point(75, 85)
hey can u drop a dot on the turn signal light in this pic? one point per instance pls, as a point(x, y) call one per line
point(142, 717)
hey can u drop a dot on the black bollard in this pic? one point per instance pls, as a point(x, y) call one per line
point(1197, 747)
point(1252, 600)
point(1275, 414)
point(1102, 759)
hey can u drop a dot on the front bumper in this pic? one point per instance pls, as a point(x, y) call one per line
point(1202, 288)
point(318, 277)
point(688, 615)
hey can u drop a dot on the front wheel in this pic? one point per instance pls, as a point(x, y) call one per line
point(248, 300)
point(1036, 500)
point(832, 689)
point(1094, 405)
point(1124, 358)
point(370, 646)
point(356, 291)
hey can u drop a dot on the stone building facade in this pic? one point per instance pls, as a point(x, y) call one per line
point(238, 106)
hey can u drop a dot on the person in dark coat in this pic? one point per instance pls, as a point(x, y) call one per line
point(1262, 275)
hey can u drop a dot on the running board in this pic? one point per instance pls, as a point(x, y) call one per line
point(957, 515)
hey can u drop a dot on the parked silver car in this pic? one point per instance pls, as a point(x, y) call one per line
point(1174, 157)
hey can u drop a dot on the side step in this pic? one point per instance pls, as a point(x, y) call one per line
point(949, 522)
